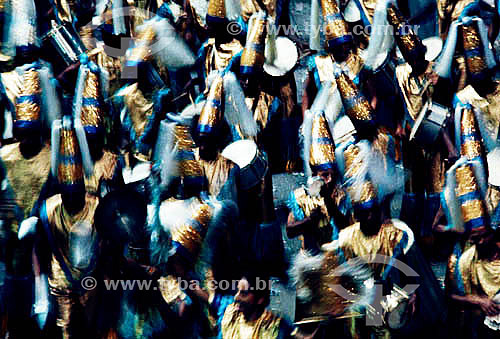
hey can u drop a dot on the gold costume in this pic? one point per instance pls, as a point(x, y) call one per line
point(25, 176)
point(234, 325)
point(104, 169)
point(489, 106)
point(218, 56)
point(354, 243)
point(260, 108)
point(449, 11)
point(479, 276)
point(249, 7)
point(216, 172)
point(62, 224)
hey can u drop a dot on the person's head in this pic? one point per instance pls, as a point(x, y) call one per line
point(369, 218)
point(485, 240)
point(253, 295)
point(340, 52)
point(95, 142)
point(27, 135)
point(208, 147)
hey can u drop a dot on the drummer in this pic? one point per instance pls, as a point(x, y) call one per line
point(315, 211)
point(417, 85)
point(339, 47)
point(474, 285)
point(269, 89)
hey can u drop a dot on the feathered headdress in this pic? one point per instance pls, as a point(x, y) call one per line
point(225, 100)
point(356, 105)
point(463, 196)
point(90, 96)
point(479, 57)
point(336, 28)
point(70, 155)
point(252, 58)
point(37, 104)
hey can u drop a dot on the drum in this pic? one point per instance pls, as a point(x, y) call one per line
point(431, 120)
point(252, 163)
point(395, 307)
point(66, 42)
point(434, 45)
point(286, 58)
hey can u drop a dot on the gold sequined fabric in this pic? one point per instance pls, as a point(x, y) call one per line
point(234, 325)
point(325, 300)
point(187, 232)
point(256, 38)
point(354, 243)
point(322, 148)
point(216, 172)
point(104, 169)
point(69, 172)
point(26, 176)
point(359, 108)
point(170, 290)
point(217, 8)
point(29, 110)
point(211, 114)
point(307, 204)
point(218, 56)
point(91, 115)
point(471, 146)
point(138, 106)
point(466, 180)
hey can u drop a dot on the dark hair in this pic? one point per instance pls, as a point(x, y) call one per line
point(258, 280)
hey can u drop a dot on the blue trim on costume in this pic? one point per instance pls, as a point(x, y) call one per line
point(322, 167)
point(69, 159)
point(475, 223)
point(28, 124)
point(92, 129)
point(32, 98)
point(91, 102)
point(337, 42)
point(215, 19)
point(205, 129)
point(468, 197)
point(324, 141)
point(248, 69)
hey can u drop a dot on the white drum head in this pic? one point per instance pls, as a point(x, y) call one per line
point(493, 162)
point(434, 46)
point(241, 152)
point(286, 57)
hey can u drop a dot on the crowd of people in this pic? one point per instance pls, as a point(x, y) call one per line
point(140, 140)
